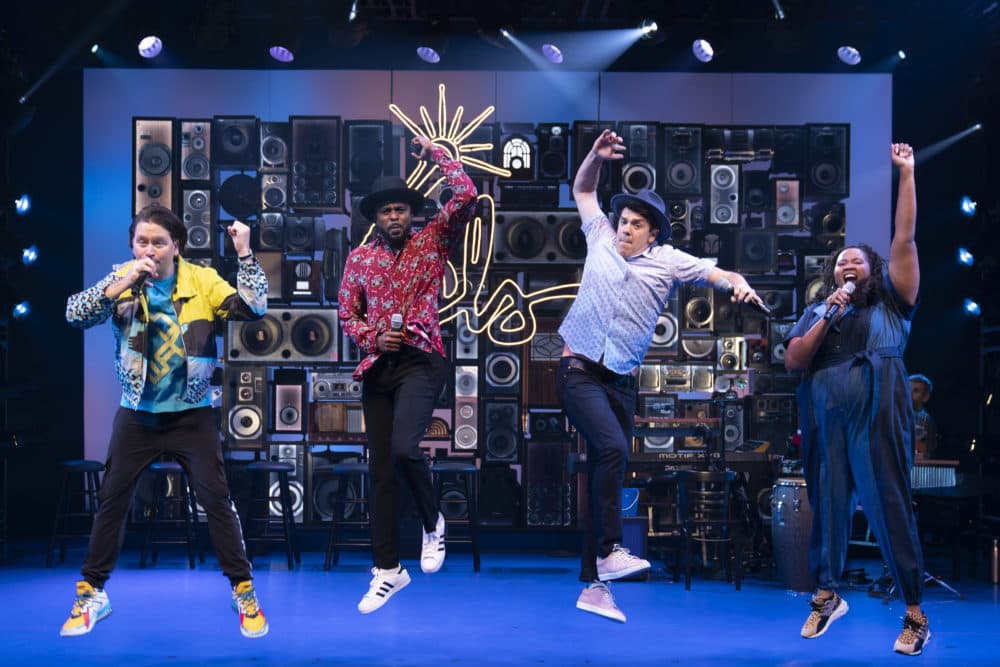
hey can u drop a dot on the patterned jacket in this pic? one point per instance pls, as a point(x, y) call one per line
point(201, 297)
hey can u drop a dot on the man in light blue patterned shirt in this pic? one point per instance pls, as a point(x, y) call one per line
point(629, 275)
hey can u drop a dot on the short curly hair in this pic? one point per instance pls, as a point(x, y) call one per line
point(873, 290)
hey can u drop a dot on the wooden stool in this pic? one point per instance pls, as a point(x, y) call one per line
point(468, 474)
point(77, 504)
point(179, 503)
point(261, 517)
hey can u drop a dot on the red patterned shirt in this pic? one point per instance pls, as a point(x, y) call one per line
point(377, 282)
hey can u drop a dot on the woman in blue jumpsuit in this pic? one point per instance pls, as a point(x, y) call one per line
point(856, 414)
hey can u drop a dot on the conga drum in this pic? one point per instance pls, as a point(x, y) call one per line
point(791, 525)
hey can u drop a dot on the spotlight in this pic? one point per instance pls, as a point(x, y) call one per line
point(702, 50)
point(902, 54)
point(849, 55)
point(150, 46)
point(552, 53)
point(29, 255)
point(779, 13)
point(977, 126)
point(505, 33)
point(21, 310)
point(971, 308)
point(967, 206)
point(281, 54)
point(965, 257)
point(353, 14)
point(647, 28)
point(22, 204)
point(95, 48)
point(428, 54)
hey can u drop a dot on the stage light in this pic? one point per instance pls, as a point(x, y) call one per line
point(971, 308)
point(965, 257)
point(505, 33)
point(849, 55)
point(702, 50)
point(95, 48)
point(150, 46)
point(648, 27)
point(902, 54)
point(29, 255)
point(21, 310)
point(967, 206)
point(353, 14)
point(428, 54)
point(779, 13)
point(977, 126)
point(552, 53)
point(281, 54)
point(22, 204)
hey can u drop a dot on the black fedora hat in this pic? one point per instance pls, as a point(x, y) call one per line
point(387, 190)
point(652, 201)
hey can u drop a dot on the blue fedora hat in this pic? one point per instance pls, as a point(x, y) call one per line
point(653, 201)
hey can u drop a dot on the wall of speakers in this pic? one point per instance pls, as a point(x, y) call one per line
point(273, 191)
point(827, 173)
point(466, 340)
point(789, 150)
point(466, 408)
point(682, 160)
point(244, 395)
point(272, 232)
point(502, 428)
point(778, 332)
point(236, 142)
point(152, 176)
point(196, 150)
point(787, 203)
point(724, 191)
point(335, 249)
point(661, 407)
point(756, 251)
point(532, 237)
point(306, 335)
point(732, 425)
point(502, 371)
point(696, 308)
point(288, 406)
point(549, 491)
point(731, 354)
point(585, 133)
point(316, 172)
point(666, 334)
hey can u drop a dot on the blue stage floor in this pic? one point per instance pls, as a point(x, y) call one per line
point(520, 610)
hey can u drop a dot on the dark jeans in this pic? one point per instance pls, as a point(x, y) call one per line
point(138, 439)
point(398, 396)
point(602, 408)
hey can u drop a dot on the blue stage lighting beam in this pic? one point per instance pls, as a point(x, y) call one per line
point(938, 147)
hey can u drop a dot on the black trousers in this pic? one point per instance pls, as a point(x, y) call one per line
point(398, 396)
point(601, 405)
point(138, 439)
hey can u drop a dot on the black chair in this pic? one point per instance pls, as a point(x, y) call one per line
point(665, 533)
point(173, 506)
point(272, 508)
point(460, 503)
point(76, 506)
point(342, 493)
point(703, 502)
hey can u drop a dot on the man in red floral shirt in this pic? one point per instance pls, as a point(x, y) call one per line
point(397, 276)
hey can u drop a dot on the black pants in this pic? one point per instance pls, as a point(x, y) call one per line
point(601, 406)
point(398, 396)
point(138, 439)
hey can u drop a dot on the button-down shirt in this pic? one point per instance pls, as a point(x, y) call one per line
point(619, 300)
point(378, 282)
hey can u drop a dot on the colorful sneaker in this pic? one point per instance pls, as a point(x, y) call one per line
point(384, 584)
point(620, 563)
point(824, 613)
point(597, 599)
point(253, 623)
point(432, 553)
point(915, 635)
point(91, 605)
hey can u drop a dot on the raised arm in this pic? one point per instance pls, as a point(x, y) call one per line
point(458, 210)
point(904, 267)
point(607, 146)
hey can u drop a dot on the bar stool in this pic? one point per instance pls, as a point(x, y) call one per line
point(261, 503)
point(703, 500)
point(77, 504)
point(173, 506)
point(451, 503)
point(345, 506)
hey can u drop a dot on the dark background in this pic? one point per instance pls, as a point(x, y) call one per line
point(947, 83)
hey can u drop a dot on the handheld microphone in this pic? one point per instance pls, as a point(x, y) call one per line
point(726, 287)
point(396, 322)
point(139, 283)
point(848, 288)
